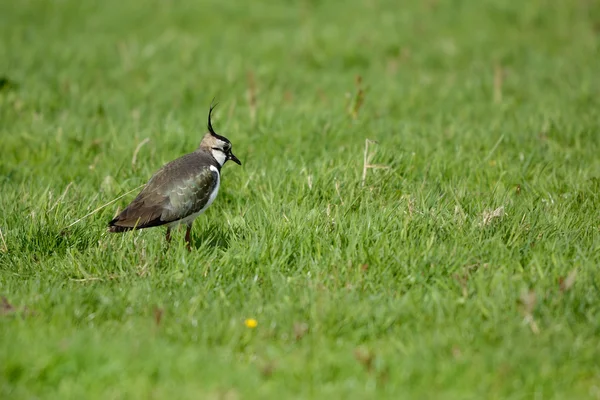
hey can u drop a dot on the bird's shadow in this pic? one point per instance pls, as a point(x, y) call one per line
point(212, 236)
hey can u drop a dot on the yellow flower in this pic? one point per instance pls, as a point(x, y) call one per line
point(251, 323)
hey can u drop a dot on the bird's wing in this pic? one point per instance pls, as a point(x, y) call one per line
point(143, 212)
point(191, 194)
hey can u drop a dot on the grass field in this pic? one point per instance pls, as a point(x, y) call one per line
point(465, 268)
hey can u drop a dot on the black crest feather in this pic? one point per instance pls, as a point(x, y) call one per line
point(212, 107)
point(210, 127)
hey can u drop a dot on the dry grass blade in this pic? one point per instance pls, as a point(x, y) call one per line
point(104, 205)
point(529, 300)
point(62, 196)
point(494, 148)
point(6, 307)
point(337, 189)
point(367, 161)
point(365, 357)
point(158, 314)
point(268, 368)
point(359, 98)
point(566, 283)
point(90, 279)
point(136, 151)
point(300, 330)
point(488, 216)
point(4, 247)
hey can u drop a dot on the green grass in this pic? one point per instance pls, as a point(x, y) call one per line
point(391, 289)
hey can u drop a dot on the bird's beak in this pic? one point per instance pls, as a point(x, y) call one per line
point(233, 158)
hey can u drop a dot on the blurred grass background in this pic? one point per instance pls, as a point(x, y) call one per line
point(403, 285)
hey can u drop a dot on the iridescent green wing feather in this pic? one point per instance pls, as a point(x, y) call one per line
point(190, 195)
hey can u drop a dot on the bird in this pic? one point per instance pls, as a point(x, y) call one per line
point(181, 190)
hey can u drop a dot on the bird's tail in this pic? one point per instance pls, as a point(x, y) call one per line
point(117, 228)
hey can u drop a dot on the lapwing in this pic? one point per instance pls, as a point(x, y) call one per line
point(181, 190)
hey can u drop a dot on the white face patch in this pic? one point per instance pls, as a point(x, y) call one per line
point(220, 156)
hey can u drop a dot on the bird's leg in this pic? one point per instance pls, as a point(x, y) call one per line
point(168, 236)
point(188, 234)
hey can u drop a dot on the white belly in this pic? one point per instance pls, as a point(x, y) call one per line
point(190, 218)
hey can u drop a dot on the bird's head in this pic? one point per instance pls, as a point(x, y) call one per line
point(217, 145)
